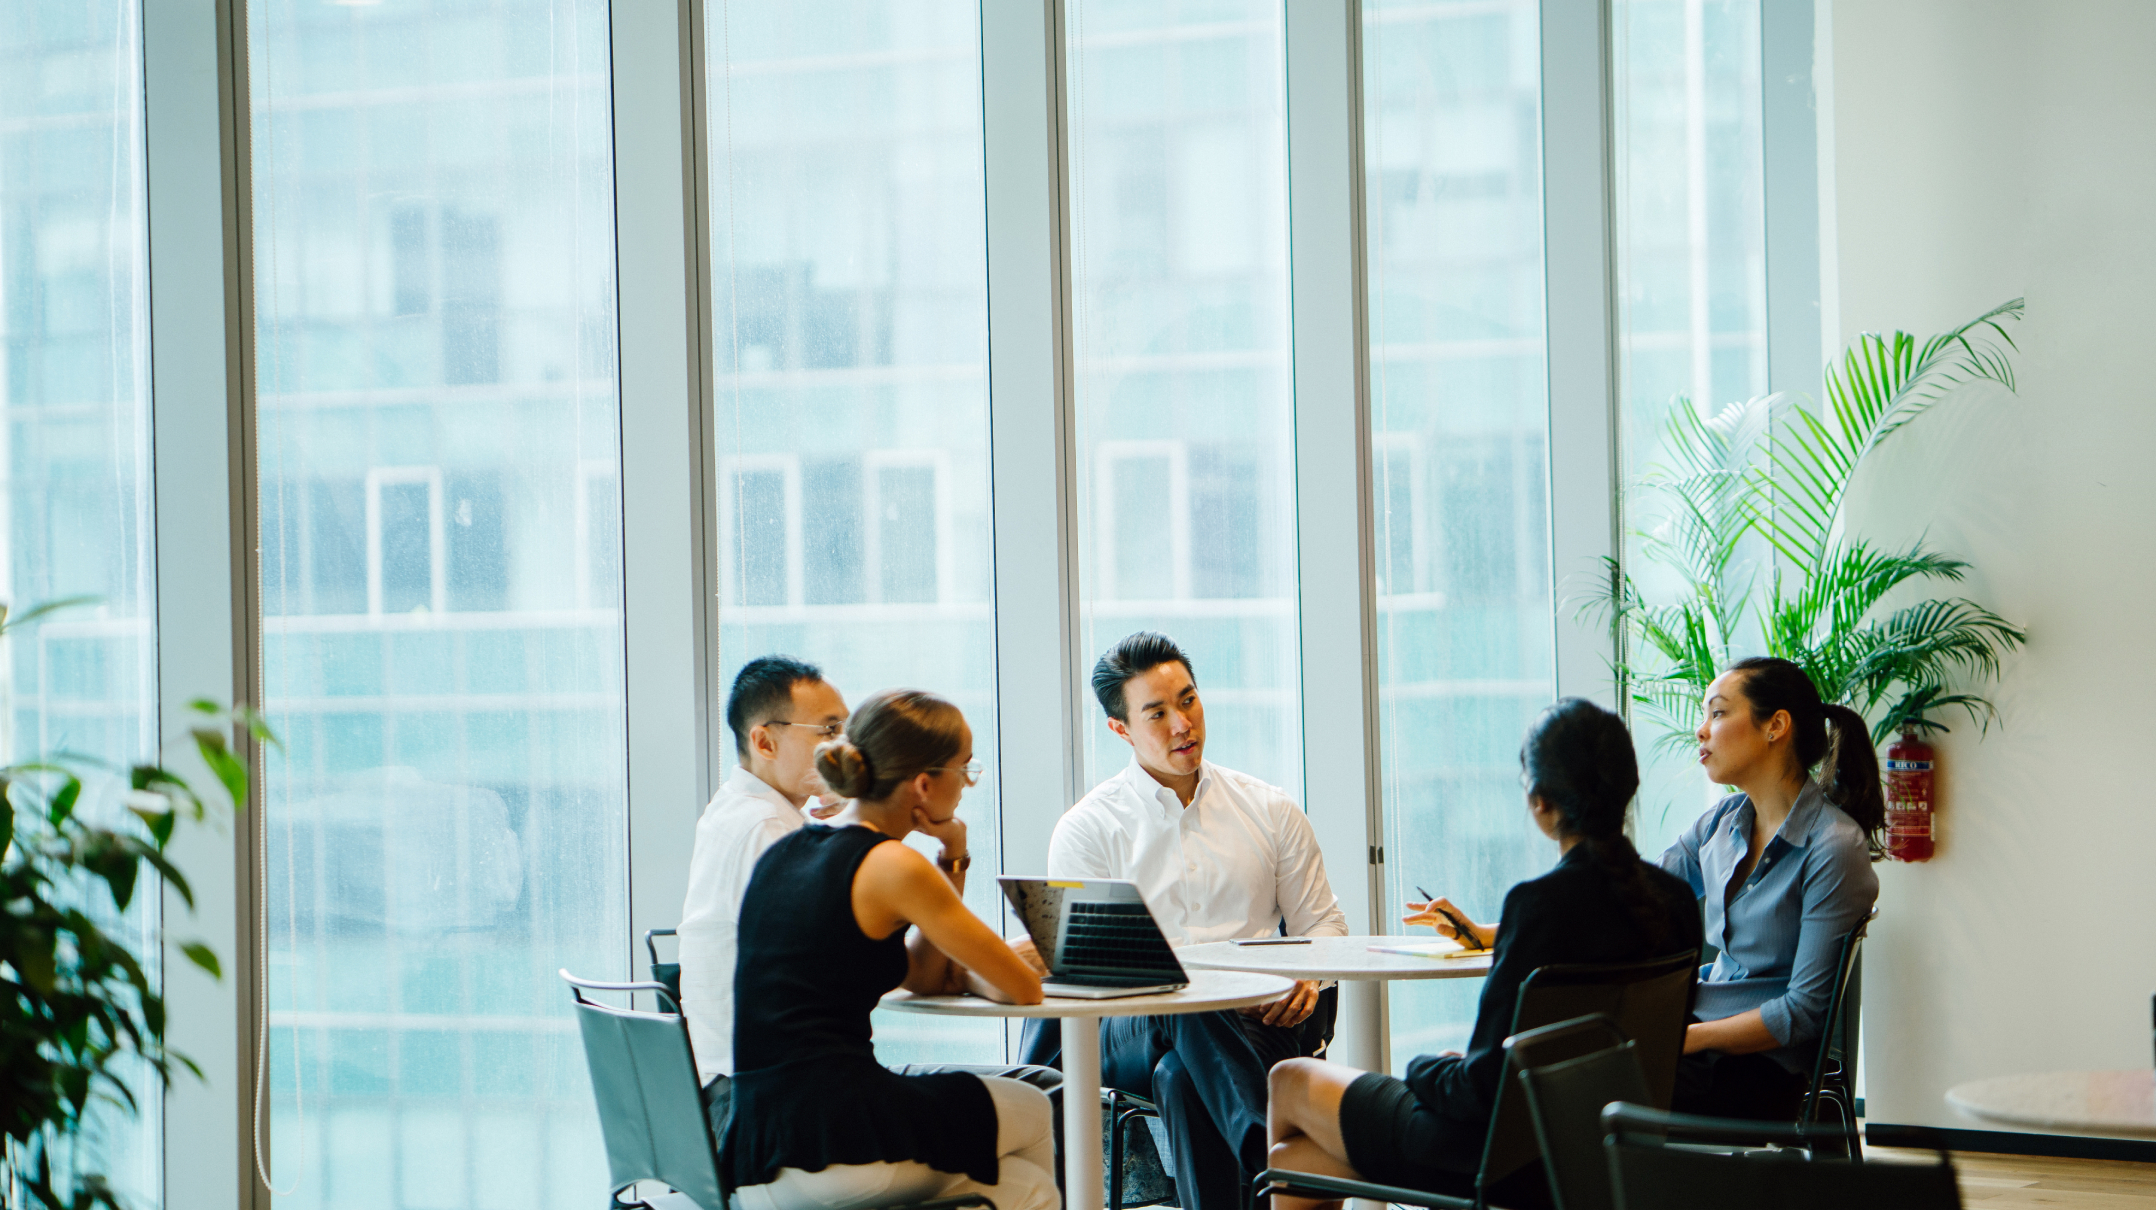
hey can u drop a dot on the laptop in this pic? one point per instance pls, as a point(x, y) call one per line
point(1097, 936)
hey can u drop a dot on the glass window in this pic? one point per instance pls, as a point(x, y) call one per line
point(441, 585)
point(850, 303)
point(75, 510)
point(1691, 239)
point(1185, 406)
point(1460, 425)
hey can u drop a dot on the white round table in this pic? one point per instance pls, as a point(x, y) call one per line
point(1361, 971)
point(2077, 1102)
point(1209, 990)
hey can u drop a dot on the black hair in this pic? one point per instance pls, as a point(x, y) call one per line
point(893, 736)
point(1578, 760)
point(763, 687)
point(1135, 655)
point(1847, 766)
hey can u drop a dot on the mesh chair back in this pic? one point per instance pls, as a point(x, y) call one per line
point(1565, 1100)
point(1648, 1001)
point(651, 1111)
point(1646, 1174)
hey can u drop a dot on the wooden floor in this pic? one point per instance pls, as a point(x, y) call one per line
point(2024, 1182)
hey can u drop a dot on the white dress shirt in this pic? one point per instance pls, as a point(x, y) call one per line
point(742, 820)
point(1239, 861)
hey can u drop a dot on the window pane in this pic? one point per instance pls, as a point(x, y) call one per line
point(442, 648)
point(1691, 242)
point(74, 446)
point(849, 288)
point(1459, 413)
point(1185, 409)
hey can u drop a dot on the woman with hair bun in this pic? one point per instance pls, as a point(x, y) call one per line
point(1601, 904)
point(1784, 867)
point(833, 918)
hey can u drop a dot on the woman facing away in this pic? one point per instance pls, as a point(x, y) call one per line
point(818, 1123)
point(1785, 871)
point(1600, 904)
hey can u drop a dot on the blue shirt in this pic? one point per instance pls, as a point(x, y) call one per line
point(1780, 935)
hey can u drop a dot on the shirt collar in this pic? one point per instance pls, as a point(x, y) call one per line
point(747, 785)
point(1150, 788)
point(1796, 830)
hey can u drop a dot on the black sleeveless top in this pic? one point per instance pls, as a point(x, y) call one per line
point(807, 1090)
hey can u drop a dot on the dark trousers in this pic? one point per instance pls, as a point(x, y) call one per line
point(1207, 1073)
point(1753, 1087)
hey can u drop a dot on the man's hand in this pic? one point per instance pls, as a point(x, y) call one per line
point(1290, 1010)
point(1024, 948)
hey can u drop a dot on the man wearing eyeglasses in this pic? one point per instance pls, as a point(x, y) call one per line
point(779, 710)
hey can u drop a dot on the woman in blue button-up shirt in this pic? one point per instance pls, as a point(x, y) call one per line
point(1784, 868)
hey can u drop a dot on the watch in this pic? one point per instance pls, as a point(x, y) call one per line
point(964, 863)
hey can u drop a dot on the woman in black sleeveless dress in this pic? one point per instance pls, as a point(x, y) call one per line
point(1601, 904)
point(818, 1123)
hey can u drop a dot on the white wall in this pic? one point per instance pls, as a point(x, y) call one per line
point(1984, 149)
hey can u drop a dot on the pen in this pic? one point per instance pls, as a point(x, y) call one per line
point(1467, 938)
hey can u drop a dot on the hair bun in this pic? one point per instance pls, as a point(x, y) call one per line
point(845, 769)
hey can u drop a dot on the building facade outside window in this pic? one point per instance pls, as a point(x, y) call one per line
point(438, 437)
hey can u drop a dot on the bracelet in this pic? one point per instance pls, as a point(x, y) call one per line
point(964, 863)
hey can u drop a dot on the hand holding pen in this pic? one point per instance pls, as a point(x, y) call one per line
point(1442, 915)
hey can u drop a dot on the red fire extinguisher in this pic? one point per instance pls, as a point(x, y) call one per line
point(1908, 795)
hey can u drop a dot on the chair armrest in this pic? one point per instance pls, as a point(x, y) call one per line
point(1305, 1183)
point(1660, 1125)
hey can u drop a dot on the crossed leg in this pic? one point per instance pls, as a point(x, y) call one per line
point(1302, 1121)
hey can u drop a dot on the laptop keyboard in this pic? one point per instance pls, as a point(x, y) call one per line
point(1116, 945)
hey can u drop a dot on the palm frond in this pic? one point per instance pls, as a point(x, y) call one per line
point(1882, 384)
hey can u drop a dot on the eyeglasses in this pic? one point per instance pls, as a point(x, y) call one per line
point(827, 730)
point(971, 771)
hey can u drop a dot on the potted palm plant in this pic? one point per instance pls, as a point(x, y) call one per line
point(1754, 536)
point(77, 1006)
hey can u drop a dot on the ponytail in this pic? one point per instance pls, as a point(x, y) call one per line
point(1579, 761)
point(1847, 767)
point(1850, 771)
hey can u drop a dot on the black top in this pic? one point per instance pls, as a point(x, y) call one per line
point(1570, 915)
point(808, 1091)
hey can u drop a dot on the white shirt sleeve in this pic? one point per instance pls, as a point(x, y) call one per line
point(1307, 904)
point(1079, 848)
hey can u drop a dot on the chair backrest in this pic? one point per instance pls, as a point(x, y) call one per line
point(1648, 1001)
point(668, 973)
point(1839, 1032)
point(1565, 1100)
point(651, 1110)
point(1647, 1174)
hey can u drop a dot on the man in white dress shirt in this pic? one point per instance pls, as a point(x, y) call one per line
point(779, 710)
point(1218, 855)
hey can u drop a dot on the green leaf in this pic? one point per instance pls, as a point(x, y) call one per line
point(229, 769)
point(63, 802)
point(203, 956)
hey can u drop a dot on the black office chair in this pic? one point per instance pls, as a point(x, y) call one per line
point(1565, 1099)
point(1646, 1001)
point(1834, 1068)
point(651, 1111)
point(1650, 1171)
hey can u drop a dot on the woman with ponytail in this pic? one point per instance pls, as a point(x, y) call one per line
point(1601, 904)
point(833, 918)
point(1784, 870)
